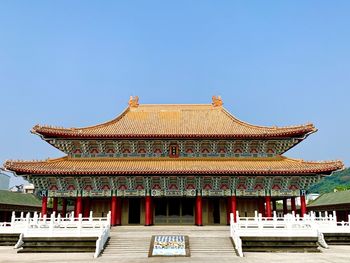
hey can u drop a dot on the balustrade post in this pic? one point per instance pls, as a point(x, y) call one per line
point(80, 223)
point(90, 216)
point(13, 218)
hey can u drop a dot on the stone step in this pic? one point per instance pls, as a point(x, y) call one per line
point(134, 241)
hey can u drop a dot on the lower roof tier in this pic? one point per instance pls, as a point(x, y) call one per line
point(121, 166)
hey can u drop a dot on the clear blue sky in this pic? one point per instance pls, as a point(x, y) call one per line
point(75, 63)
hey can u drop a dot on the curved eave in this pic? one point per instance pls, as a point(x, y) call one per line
point(64, 133)
point(137, 167)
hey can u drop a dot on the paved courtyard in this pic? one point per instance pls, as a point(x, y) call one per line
point(336, 254)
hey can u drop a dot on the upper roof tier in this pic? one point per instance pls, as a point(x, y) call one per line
point(175, 121)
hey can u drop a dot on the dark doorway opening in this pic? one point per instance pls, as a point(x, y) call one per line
point(134, 210)
point(216, 211)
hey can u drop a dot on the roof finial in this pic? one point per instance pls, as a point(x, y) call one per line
point(134, 101)
point(217, 101)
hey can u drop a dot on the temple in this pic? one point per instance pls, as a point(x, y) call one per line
point(173, 164)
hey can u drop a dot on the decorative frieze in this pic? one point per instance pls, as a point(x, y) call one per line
point(174, 185)
point(160, 148)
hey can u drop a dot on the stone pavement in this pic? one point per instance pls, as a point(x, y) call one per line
point(336, 254)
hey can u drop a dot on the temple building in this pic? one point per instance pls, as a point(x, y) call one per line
point(173, 164)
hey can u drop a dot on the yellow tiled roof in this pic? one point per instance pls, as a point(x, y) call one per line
point(175, 121)
point(73, 166)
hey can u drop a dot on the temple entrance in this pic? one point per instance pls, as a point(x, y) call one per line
point(215, 206)
point(178, 211)
point(134, 210)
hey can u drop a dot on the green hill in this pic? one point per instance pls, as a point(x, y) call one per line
point(340, 180)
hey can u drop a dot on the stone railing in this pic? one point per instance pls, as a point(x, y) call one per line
point(42, 226)
point(290, 225)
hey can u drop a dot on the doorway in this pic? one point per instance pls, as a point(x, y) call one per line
point(179, 211)
point(134, 210)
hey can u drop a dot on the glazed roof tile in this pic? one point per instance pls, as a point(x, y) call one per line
point(175, 121)
point(72, 166)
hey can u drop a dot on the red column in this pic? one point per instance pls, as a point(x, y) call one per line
point(234, 207)
point(54, 205)
point(148, 210)
point(118, 219)
point(199, 221)
point(302, 205)
point(113, 210)
point(86, 207)
point(64, 207)
point(44, 206)
point(268, 206)
point(79, 206)
point(285, 207)
point(292, 203)
point(261, 206)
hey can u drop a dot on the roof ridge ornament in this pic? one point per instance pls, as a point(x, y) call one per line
point(217, 101)
point(134, 101)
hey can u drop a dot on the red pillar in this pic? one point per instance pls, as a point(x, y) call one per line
point(86, 207)
point(268, 206)
point(234, 207)
point(64, 207)
point(285, 207)
point(44, 206)
point(148, 210)
point(113, 210)
point(79, 206)
point(261, 206)
point(54, 205)
point(118, 219)
point(199, 221)
point(303, 210)
point(292, 203)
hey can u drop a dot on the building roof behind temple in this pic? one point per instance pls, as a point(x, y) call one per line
point(175, 121)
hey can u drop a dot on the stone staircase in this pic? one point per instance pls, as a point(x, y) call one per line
point(134, 241)
point(58, 244)
point(8, 239)
point(337, 238)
